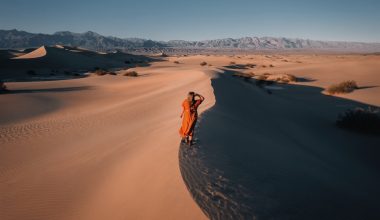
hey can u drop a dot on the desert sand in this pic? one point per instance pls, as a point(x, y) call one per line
point(106, 147)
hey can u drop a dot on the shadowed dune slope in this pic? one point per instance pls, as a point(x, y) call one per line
point(280, 156)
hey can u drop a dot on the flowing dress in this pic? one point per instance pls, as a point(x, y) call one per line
point(190, 116)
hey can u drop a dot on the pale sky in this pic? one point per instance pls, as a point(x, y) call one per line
point(341, 20)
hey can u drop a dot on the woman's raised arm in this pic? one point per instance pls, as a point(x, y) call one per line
point(200, 96)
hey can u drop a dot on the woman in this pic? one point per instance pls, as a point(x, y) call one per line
point(190, 115)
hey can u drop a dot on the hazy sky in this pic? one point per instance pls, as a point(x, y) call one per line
point(351, 20)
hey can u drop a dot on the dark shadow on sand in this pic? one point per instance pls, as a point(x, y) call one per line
point(280, 156)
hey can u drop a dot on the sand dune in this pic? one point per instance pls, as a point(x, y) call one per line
point(110, 156)
point(51, 62)
point(107, 147)
point(39, 52)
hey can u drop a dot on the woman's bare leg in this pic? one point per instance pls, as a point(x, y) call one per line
point(190, 140)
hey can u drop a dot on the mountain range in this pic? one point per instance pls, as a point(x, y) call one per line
point(16, 39)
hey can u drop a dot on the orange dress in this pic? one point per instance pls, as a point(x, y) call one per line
point(190, 115)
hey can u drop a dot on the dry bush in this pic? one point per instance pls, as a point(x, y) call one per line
point(101, 72)
point(261, 80)
point(244, 75)
point(271, 65)
point(343, 87)
point(262, 77)
point(291, 77)
point(263, 66)
point(3, 87)
point(131, 73)
point(250, 65)
point(203, 63)
point(176, 62)
point(360, 120)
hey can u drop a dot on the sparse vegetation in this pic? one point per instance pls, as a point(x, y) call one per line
point(261, 80)
point(272, 78)
point(263, 66)
point(244, 75)
point(176, 62)
point(262, 77)
point(343, 87)
point(250, 65)
point(291, 77)
point(101, 72)
point(203, 63)
point(271, 65)
point(360, 120)
point(3, 87)
point(131, 73)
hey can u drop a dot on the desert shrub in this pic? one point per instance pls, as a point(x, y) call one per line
point(203, 63)
point(176, 62)
point(101, 72)
point(31, 72)
point(285, 60)
point(263, 66)
point(131, 73)
point(291, 78)
point(271, 65)
point(262, 77)
point(343, 87)
point(3, 87)
point(243, 75)
point(360, 120)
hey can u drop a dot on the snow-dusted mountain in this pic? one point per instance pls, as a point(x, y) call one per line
point(94, 41)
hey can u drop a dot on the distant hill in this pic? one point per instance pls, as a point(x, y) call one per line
point(90, 40)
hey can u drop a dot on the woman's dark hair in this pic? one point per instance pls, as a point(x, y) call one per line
point(193, 99)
